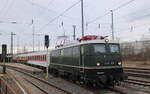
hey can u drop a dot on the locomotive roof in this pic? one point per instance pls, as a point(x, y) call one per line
point(86, 42)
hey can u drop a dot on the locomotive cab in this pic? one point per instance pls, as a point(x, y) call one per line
point(92, 59)
point(102, 63)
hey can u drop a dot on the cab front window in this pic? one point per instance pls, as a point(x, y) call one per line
point(99, 48)
point(114, 48)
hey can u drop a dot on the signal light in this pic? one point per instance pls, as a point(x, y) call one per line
point(46, 41)
point(4, 50)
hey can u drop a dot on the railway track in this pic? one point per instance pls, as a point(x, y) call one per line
point(44, 91)
point(137, 72)
point(116, 90)
point(135, 75)
point(29, 73)
point(144, 69)
point(138, 77)
point(138, 82)
point(39, 81)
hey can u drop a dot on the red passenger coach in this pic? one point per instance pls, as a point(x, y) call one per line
point(33, 58)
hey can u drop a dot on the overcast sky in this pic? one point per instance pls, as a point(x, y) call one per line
point(131, 22)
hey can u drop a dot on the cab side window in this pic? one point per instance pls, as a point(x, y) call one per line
point(82, 50)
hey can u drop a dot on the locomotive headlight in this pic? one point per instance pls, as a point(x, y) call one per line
point(98, 64)
point(106, 40)
point(119, 63)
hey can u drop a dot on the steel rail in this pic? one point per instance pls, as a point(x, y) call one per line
point(138, 82)
point(35, 77)
point(44, 91)
point(136, 68)
point(134, 74)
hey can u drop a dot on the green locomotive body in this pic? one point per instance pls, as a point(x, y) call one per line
point(97, 62)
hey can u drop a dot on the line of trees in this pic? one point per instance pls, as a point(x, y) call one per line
point(136, 50)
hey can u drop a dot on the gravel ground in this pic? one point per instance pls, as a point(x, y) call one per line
point(12, 83)
point(137, 64)
point(71, 87)
point(76, 89)
point(22, 66)
point(32, 89)
point(139, 89)
point(66, 85)
point(29, 88)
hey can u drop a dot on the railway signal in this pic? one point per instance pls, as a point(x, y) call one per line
point(46, 41)
point(4, 53)
point(47, 45)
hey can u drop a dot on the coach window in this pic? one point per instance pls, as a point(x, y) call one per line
point(43, 57)
point(61, 52)
point(39, 57)
point(76, 51)
point(82, 50)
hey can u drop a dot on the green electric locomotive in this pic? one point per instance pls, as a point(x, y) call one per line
point(92, 60)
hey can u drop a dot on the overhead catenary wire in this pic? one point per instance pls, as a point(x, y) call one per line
point(46, 8)
point(50, 2)
point(55, 18)
point(9, 6)
point(115, 9)
point(35, 4)
point(123, 5)
point(97, 18)
point(4, 6)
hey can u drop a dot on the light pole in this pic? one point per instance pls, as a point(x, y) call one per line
point(74, 32)
point(33, 32)
point(112, 24)
point(82, 17)
point(11, 50)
